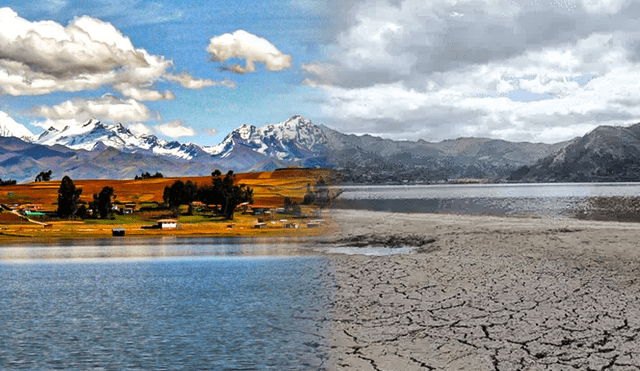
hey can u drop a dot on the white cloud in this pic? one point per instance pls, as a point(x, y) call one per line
point(42, 57)
point(323, 73)
point(107, 108)
point(190, 82)
point(211, 131)
point(253, 49)
point(175, 129)
point(443, 69)
point(140, 129)
point(141, 94)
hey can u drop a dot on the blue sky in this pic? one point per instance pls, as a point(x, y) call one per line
point(180, 31)
point(520, 70)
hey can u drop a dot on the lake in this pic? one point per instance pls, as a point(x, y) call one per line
point(212, 303)
point(546, 199)
point(220, 309)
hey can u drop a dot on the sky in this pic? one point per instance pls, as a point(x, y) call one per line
point(519, 70)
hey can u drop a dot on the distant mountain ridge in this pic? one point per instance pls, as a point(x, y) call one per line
point(95, 135)
point(97, 150)
point(606, 154)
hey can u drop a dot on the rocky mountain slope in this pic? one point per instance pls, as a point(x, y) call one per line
point(606, 154)
point(372, 159)
point(95, 135)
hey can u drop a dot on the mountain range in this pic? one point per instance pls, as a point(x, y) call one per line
point(606, 154)
point(98, 150)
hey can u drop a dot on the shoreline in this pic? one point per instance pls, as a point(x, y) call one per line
point(23, 233)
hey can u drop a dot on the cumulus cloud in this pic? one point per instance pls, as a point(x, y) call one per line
point(140, 129)
point(142, 94)
point(190, 82)
point(253, 49)
point(534, 70)
point(175, 129)
point(211, 131)
point(107, 108)
point(42, 57)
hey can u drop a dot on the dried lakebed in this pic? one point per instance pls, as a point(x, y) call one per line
point(490, 294)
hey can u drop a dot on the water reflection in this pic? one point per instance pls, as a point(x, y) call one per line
point(548, 200)
point(153, 248)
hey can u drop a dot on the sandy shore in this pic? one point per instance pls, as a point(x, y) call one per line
point(492, 293)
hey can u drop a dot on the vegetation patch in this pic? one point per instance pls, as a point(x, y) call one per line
point(391, 241)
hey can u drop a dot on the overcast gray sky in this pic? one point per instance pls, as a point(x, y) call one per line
point(521, 70)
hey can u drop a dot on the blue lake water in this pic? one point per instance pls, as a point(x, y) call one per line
point(553, 199)
point(214, 311)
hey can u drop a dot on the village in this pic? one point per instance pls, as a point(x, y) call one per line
point(138, 209)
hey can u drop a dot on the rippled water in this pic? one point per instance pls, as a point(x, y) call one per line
point(541, 199)
point(224, 312)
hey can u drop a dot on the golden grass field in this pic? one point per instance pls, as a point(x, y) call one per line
point(270, 188)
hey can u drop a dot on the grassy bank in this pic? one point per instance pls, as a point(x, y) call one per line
point(241, 226)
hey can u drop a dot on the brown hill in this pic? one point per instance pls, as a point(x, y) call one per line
point(270, 188)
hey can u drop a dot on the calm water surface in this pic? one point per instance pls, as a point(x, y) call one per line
point(553, 200)
point(218, 310)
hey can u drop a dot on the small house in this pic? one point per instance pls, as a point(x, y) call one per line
point(124, 207)
point(31, 208)
point(168, 223)
point(129, 208)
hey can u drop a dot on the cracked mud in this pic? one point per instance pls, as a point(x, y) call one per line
point(498, 294)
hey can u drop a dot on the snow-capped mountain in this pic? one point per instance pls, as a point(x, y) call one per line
point(11, 128)
point(96, 135)
point(293, 140)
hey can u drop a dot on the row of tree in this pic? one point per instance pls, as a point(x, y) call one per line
point(223, 192)
point(44, 176)
point(147, 175)
point(7, 182)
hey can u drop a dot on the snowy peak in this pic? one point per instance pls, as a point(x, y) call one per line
point(94, 135)
point(10, 128)
point(82, 137)
point(291, 140)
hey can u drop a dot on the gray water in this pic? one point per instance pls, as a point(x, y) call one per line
point(553, 199)
point(216, 311)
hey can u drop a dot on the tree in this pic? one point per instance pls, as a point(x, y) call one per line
point(44, 176)
point(189, 195)
point(68, 197)
point(287, 205)
point(180, 193)
point(102, 203)
point(321, 196)
point(149, 176)
point(81, 212)
point(7, 182)
point(229, 194)
point(295, 209)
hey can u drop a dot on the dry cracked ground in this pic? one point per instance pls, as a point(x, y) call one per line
point(495, 295)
